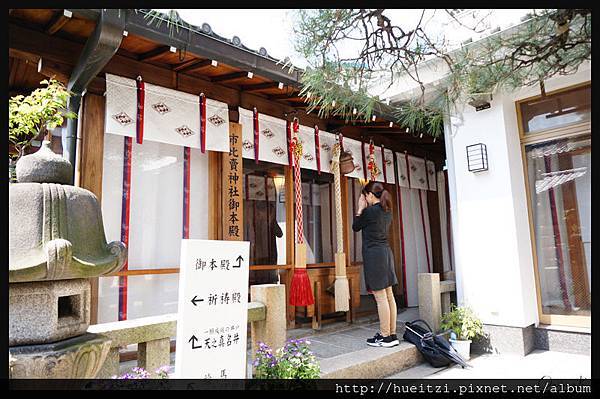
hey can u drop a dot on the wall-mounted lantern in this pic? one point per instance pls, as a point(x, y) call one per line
point(477, 159)
point(480, 101)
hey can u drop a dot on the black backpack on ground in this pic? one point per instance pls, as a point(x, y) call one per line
point(435, 348)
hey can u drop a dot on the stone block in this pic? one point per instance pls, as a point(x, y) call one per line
point(271, 330)
point(505, 340)
point(50, 311)
point(430, 306)
point(154, 354)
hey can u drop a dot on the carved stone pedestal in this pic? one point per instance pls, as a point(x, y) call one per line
point(79, 357)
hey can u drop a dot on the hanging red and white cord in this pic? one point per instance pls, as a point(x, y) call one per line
point(256, 135)
point(186, 192)
point(317, 149)
point(202, 123)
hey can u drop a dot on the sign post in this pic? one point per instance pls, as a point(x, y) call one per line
point(212, 310)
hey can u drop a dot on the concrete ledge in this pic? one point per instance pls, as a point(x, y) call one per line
point(574, 342)
point(257, 311)
point(447, 286)
point(134, 331)
point(371, 362)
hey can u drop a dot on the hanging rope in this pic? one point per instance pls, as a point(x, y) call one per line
point(372, 165)
point(300, 289)
point(341, 288)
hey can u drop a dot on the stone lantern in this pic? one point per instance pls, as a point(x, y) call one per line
point(56, 244)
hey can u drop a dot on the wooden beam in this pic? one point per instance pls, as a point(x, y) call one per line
point(56, 70)
point(259, 87)
point(229, 77)
point(65, 51)
point(23, 55)
point(286, 96)
point(192, 65)
point(46, 67)
point(153, 54)
point(58, 21)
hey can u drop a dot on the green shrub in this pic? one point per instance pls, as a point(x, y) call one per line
point(463, 322)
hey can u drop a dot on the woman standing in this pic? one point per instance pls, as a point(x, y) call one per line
point(374, 218)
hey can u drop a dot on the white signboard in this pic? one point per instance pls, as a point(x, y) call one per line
point(213, 309)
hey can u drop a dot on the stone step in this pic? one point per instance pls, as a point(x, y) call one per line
point(371, 362)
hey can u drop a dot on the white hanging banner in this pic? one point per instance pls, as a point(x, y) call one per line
point(431, 175)
point(326, 142)
point(121, 105)
point(212, 312)
point(402, 170)
point(309, 156)
point(389, 165)
point(170, 116)
point(355, 149)
point(217, 126)
point(272, 137)
point(257, 190)
point(247, 122)
point(418, 178)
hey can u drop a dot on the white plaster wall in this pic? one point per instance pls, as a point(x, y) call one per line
point(492, 243)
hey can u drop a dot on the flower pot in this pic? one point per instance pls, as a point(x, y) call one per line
point(462, 347)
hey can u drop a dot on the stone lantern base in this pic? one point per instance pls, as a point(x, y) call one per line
point(79, 357)
point(48, 311)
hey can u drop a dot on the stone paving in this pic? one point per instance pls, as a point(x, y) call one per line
point(341, 338)
point(537, 364)
point(346, 337)
point(333, 339)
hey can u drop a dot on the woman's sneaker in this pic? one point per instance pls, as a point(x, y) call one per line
point(390, 341)
point(376, 340)
point(380, 340)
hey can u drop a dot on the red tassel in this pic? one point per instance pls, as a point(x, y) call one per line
point(301, 291)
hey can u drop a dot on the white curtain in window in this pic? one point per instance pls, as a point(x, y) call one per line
point(156, 216)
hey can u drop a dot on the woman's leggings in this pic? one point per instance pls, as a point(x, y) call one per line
point(386, 307)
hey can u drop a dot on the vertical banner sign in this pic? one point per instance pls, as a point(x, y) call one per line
point(232, 187)
point(212, 312)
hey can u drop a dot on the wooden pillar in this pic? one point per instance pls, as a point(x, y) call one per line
point(395, 242)
point(436, 232)
point(91, 155)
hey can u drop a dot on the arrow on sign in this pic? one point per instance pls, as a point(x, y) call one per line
point(195, 299)
point(239, 259)
point(193, 340)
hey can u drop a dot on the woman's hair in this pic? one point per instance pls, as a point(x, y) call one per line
point(380, 192)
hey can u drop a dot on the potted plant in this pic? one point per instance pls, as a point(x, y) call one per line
point(33, 115)
point(465, 326)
